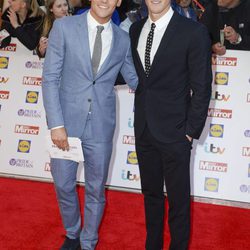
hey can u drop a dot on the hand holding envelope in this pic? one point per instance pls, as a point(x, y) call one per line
point(75, 150)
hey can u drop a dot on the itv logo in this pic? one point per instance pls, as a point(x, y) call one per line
point(211, 148)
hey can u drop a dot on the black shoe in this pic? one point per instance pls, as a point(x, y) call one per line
point(71, 244)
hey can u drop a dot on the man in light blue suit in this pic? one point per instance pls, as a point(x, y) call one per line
point(81, 66)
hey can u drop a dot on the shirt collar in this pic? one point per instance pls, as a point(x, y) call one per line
point(92, 23)
point(163, 21)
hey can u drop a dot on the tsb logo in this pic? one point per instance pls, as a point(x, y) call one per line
point(216, 130)
point(32, 97)
point(211, 184)
point(221, 78)
point(132, 158)
point(24, 146)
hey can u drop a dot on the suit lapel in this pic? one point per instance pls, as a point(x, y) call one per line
point(134, 44)
point(82, 33)
point(168, 35)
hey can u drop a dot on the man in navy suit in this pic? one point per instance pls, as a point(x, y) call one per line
point(83, 58)
point(172, 58)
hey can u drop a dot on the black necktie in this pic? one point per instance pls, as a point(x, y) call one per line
point(148, 49)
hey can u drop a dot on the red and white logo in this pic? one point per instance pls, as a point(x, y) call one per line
point(30, 80)
point(4, 94)
point(220, 113)
point(26, 129)
point(246, 151)
point(11, 48)
point(128, 139)
point(213, 166)
point(224, 61)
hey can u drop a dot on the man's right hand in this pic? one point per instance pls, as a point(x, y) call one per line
point(219, 49)
point(60, 138)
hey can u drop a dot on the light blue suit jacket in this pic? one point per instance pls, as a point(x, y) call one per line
point(68, 85)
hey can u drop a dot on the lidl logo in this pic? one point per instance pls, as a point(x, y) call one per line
point(24, 146)
point(4, 62)
point(211, 184)
point(221, 78)
point(32, 96)
point(132, 158)
point(216, 130)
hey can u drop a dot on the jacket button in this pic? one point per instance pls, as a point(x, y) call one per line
point(89, 100)
point(93, 82)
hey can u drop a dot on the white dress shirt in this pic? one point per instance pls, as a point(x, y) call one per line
point(161, 25)
point(107, 35)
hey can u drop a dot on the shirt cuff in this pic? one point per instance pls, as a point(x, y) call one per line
point(57, 127)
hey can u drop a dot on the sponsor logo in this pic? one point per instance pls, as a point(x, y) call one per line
point(247, 133)
point(248, 97)
point(220, 113)
point(30, 80)
point(24, 146)
point(21, 163)
point(127, 175)
point(26, 129)
point(224, 61)
point(11, 48)
point(216, 130)
point(4, 62)
point(132, 158)
point(245, 188)
point(47, 167)
point(213, 166)
point(210, 148)
point(221, 78)
point(4, 79)
point(29, 113)
point(34, 65)
point(211, 184)
point(246, 151)
point(249, 170)
point(128, 139)
point(4, 94)
point(130, 123)
point(216, 96)
point(32, 97)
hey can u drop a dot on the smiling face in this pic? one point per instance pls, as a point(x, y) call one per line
point(59, 8)
point(102, 10)
point(157, 8)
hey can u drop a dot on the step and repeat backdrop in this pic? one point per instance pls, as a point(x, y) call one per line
point(220, 163)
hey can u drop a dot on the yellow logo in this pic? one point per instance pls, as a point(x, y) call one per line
point(24, 146)
point(216, 130)
point(32, 97)
point(221, 78)
point(132, 158)
point(4, 61)
point(211, 184)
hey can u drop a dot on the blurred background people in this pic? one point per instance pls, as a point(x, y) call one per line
point(228, 22)
point(23, 20)
point(54, 9)
point(184, 8)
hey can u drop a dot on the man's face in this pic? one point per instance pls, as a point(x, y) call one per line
point(102, 10)
point(228, 3)
point(157, 8)
point(184, 3)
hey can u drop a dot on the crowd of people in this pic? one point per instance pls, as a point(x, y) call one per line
point(30, 21)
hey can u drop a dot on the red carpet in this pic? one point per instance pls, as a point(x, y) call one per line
point(30, 220)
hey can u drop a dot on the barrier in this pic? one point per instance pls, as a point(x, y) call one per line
point(220, 163)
